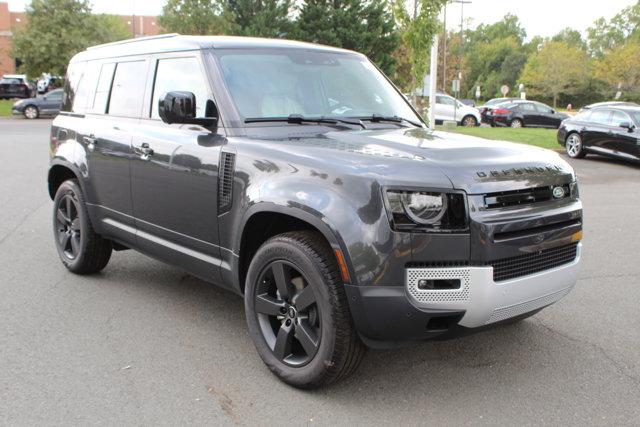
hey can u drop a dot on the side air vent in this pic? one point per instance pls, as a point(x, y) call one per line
point(225, 181)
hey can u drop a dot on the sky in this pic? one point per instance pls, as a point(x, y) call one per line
point(539, 17)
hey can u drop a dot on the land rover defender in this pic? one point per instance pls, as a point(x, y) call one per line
point(300, 178)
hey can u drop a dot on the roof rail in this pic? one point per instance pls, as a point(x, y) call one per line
point(138, 39)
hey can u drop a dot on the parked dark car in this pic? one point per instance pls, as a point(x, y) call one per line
point(32, 108)
point(299, 177)
point(520, 113)
point(607, 131)
point(609, 104)
point(15, 86)
point(490, 104)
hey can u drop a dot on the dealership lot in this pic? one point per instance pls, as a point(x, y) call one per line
point(144, 343)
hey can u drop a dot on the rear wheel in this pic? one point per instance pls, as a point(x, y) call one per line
point(574, 147)
point(31, 112)
point(81, 250)
point(516, 123)
point(297, 311)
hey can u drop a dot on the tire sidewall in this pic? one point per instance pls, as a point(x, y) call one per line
point(72, 188)
point(473, 120)
point(35, 116)
point(314, 369)
point(566, 146)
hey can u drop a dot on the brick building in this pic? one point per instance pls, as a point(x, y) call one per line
point(10, 21)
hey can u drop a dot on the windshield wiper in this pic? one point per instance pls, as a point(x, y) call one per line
point(377, 118)
point(300, 119)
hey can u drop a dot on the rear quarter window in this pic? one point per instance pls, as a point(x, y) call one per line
point(74, 73)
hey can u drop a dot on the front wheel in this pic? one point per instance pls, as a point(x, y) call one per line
point(31, 112)
point(297, 311)
point(80, 248)
point(574, 147)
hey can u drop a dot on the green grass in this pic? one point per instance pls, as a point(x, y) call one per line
point(5, 107)
point(545, 138)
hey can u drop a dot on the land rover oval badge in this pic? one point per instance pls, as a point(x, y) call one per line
point(558, 192)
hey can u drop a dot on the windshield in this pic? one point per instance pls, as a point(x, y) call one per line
point(280, 83)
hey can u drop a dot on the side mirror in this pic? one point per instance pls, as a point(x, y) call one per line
point(627, 125)
point(180, 107)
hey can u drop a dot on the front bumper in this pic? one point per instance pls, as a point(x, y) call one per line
point(386, 314)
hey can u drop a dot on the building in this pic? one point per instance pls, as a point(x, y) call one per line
point(11, 21)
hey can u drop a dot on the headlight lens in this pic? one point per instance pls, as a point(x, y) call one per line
point(427, 211)
point(424, 208)
point(17, 103)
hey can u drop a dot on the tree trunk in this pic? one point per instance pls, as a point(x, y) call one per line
point(555, 100)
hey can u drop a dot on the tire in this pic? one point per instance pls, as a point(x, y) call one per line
point(81, 250)
point(31, 112)
point(314, 344)
point(517, 124)
point(573, 146)
point(469, 121)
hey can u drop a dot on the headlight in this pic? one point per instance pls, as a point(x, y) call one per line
point(426, 210)
point(18, 103)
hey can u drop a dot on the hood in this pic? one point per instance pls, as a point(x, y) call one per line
point(472, 164)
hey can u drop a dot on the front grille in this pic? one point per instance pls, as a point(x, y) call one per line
point(522, 265)
point(523, 197)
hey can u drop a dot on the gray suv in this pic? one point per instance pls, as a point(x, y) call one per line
point(298, 177)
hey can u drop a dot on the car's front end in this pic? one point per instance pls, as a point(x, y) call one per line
point(506, 244)
point(18, 107)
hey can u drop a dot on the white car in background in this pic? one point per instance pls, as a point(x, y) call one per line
point(450, 109)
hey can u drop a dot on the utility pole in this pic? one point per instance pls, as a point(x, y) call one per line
point(462, 3)
point(433, 81)
point(444, 52)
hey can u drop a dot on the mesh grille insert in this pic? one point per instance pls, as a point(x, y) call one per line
point(522, 265)
point(225, 181)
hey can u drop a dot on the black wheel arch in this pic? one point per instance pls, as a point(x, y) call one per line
point(59, 172)
point(268, 219)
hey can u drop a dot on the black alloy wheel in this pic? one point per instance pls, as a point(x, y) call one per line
point(297, 311)
point(80, 248)
point(288, 314)
point(68, 230)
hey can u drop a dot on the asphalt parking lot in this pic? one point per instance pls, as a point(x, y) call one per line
point(144, 343)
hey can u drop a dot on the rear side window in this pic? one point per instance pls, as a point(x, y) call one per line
point(128, 89)
point(180, 74)
point(86, 87)
point(99, 104)
point(527, 107)
point(74, 72)
point(444, 100)
point(600, 116)
point(544, 109)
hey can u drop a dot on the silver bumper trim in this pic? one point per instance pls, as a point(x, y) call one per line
point(486, 301)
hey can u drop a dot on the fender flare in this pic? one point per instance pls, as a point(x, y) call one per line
point(303, 213)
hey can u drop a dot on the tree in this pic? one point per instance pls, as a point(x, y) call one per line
point(417, 31)
point(619, 69)
point(571, 37)
point(260, 18)
point(494, 56)
point(605, 35)
point(366, 26)
point(201, 17)
point(558, 68)
point(58, 29)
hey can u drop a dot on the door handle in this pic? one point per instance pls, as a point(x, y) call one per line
point(90, 142)
point(145, 151)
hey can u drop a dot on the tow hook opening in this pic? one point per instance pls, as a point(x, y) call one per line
point(442, 323)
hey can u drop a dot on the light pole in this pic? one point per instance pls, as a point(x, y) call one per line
point(462, 3)
point(444, 52)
